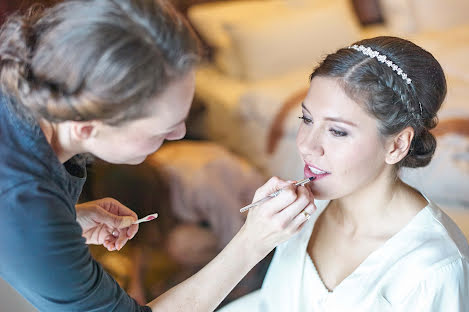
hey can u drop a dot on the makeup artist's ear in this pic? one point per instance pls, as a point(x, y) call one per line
point(399, 146)
point(84, 130)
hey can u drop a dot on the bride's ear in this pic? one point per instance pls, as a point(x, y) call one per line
point(399, 146)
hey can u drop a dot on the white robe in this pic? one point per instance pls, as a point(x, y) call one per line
point(424, 267)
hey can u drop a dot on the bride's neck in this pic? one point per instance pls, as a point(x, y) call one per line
point(364, 211)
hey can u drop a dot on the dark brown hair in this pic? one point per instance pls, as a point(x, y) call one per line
point(94, 59)
point(386, 96)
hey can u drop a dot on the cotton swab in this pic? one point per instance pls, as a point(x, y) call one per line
point(147, 218)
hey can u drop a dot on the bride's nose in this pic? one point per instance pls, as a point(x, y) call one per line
point(310, 142)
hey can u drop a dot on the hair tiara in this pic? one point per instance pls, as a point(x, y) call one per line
point(382, 59)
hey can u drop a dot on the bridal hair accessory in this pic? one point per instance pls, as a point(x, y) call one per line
point(382, 59)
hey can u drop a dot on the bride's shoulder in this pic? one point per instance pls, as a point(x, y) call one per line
point(447, 231)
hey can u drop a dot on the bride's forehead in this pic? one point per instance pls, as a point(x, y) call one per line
point(328, 94)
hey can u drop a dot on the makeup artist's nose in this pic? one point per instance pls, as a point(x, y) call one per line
point(177, 133)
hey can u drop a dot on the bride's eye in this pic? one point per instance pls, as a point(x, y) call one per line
point(338, 133)
point(306, 120)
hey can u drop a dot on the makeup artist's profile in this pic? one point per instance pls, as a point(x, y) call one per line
point(111, 78)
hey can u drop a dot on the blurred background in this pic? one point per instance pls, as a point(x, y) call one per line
point(258, 55)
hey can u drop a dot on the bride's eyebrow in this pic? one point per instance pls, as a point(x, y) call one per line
point(341, 120)
point(336, 119)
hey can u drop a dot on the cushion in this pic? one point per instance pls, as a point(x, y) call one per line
point(294, 38)
point(440, 14)
point(257, 39)
point(209, 18)
point(410, 16)
point(398, 16)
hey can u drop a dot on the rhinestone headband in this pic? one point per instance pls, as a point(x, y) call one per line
point(382, 59)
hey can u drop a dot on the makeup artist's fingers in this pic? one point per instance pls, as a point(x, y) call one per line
point(119, 237)
point(121, 240)
point(116, 207)
point(97, 234)
point(113, 213)
point(271, 186)
point(301, 226)
point(287, 197)
point(110, 243)
point(132, 230)
point(300, 219)
point(273, 205)
point(303, 199)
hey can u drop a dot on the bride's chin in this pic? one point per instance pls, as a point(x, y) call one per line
point(318, 194)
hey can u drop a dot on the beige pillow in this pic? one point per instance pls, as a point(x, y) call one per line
point(440, 14)
point(410, 16)
point(399, 16)
point(209, 18)
point(294, 38)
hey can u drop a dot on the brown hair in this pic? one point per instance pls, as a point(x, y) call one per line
point(94, 59)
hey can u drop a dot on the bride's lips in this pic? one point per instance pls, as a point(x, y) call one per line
point(312, 171)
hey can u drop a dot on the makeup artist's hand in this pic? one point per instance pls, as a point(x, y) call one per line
point(106, 222)
point(276, 220)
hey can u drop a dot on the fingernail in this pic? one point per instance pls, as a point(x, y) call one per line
point(115, 233)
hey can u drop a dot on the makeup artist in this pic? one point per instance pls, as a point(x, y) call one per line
point(113, 78)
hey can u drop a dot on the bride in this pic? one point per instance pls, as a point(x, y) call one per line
point(374, 243)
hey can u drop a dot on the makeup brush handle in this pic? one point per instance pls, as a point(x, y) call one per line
point(274, 194)
point(260, 201)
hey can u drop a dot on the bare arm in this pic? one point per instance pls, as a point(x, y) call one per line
point(266, 226)
point(205, 290)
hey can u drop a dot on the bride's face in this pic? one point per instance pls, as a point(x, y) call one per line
point(338, 141)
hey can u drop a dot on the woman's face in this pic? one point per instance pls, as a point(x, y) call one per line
point(338, 141)
point(133, 141)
